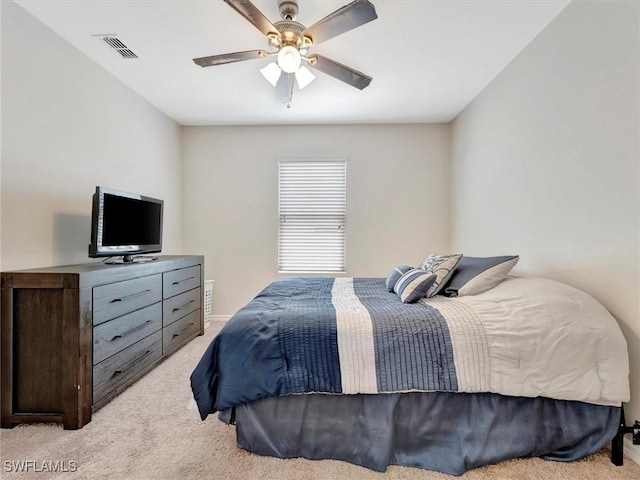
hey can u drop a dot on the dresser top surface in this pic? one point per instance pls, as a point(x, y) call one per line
point(95, 273)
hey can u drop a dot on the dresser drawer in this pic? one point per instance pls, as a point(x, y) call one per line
point(178, 281)
point(116, 299)
point(125, 365)
point(115, 335)
point(180, 305)
point(180, 332)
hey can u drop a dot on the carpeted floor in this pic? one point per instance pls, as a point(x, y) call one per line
point(152, 431)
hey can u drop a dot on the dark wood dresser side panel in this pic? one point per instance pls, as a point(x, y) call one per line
point(38, 355)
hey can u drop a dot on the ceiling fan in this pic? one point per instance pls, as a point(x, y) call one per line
point(290, 41)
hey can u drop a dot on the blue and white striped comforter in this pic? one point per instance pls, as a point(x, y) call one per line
point(350, 335)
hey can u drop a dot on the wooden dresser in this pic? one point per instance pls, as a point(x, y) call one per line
point(73, 337)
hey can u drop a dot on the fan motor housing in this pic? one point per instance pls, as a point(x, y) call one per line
point(285, 26)
point(290, 34)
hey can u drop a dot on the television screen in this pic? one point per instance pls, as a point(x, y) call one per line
point(125, 224)
point(130, 221)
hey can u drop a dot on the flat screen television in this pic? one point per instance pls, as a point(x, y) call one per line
point(125, 224)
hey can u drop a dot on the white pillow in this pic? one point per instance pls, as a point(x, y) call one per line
point(443, 266)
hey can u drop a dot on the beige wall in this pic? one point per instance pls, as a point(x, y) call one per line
point(545, 162)
point(397, 198)
point(67, 126)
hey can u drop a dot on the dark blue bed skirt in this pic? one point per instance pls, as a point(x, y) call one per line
point(444, 432)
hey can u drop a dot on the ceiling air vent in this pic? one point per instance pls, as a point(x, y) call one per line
point(119, 47)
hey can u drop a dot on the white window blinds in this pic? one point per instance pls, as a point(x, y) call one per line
point(312, 209)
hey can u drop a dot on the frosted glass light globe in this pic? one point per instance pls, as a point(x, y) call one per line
point(289, 59)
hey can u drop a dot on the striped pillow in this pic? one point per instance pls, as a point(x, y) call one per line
point(395, 275)
point(413, 285)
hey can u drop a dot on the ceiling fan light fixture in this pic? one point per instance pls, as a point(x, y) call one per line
point(290, 42)
point(272, 73)
point(289, 59)
point(304, 77)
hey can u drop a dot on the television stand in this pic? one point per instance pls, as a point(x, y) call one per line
point(116, 260)
point(74, 337)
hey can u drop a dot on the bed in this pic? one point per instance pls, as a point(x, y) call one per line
point(342, 368)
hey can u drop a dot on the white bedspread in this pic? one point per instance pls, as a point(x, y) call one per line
point(537, 337)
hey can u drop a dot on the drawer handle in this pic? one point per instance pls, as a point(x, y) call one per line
point(181, 331)
point(131, 364)
point(175, 309)
point(129, 297)
point(142, 325)
point(177, 282)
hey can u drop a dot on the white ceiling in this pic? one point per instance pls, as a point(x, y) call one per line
point(428, 58)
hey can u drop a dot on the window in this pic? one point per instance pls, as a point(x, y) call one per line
point(312, 206)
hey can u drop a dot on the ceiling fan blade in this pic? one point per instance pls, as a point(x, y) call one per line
point(341, 72)
point(342, 20)
point(229, 58)
point(249, 11)
point(284, 88)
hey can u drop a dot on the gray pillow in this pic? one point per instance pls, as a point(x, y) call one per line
point(475, 275)
point(395, 275)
